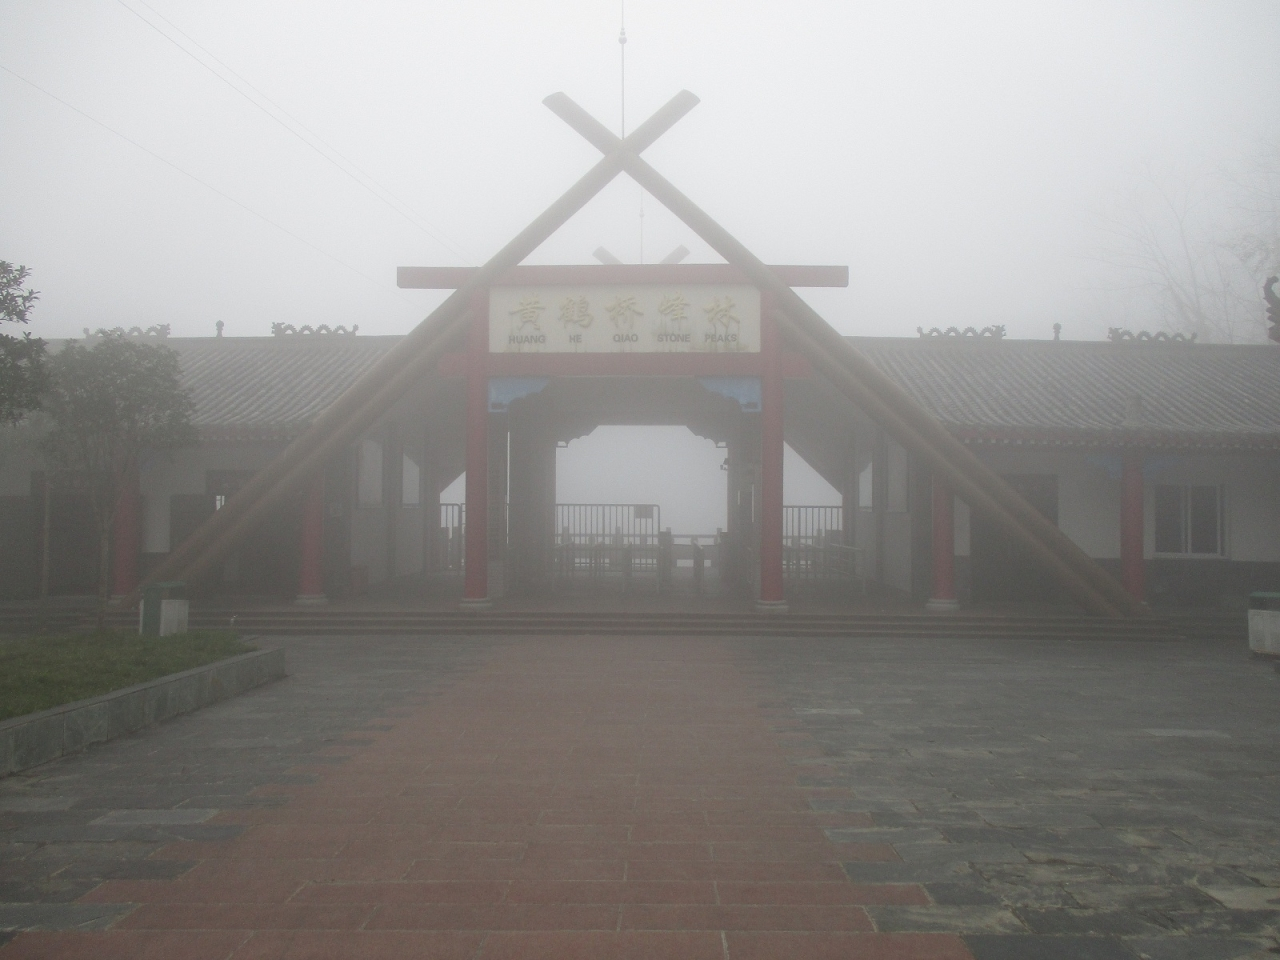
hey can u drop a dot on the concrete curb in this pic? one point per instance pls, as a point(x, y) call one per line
point(38, 738)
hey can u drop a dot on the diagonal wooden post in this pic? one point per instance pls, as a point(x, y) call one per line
point(876, 393)
point(377, 389)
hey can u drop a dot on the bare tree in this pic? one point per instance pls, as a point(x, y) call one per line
point(1257, 189)
point(107, 404)
point(1197, 251)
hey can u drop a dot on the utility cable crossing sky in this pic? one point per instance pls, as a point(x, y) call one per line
point(293, 125)
point(204, 183)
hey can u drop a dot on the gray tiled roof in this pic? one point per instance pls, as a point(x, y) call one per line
point(1009, 390)
point(1016, 389)
point(272, 382)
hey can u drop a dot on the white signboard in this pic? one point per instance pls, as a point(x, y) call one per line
point(643, 319)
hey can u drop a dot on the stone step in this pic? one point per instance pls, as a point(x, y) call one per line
point(437, 623)
point(333, 620)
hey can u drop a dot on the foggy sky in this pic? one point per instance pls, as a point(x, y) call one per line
point(954, 155)
point(686, 480)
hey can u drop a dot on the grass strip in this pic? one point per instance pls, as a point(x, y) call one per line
point(40, 672)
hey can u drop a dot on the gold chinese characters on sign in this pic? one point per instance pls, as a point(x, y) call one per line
point(689, 319)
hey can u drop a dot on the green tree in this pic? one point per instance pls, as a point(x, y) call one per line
point(107, 403)
point(23, 372)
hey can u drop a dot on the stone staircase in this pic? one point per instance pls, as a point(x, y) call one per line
point(282, 620)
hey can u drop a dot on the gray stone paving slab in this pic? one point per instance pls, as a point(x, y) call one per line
point(1197, 948)
point(182, 815)
point(68, 825)
point(1077, 922)
point(1115, 800)
point(60, 916)
point(37, 738)
point(1090, 801)
point(966, 918)
point(1025, 947)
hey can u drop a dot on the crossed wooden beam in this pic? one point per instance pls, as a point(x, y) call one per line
point(414, 357)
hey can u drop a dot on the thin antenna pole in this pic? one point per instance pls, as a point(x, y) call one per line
point(622, 56)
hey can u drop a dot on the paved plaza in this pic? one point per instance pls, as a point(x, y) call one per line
point(664, 797)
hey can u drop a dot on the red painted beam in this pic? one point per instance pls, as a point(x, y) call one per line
point(771, 456)
point(476, 563)
point(604, 274)
point(794, 366)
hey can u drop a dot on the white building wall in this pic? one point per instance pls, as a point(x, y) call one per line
point(1088, 494)
point(161, 475)
point(369, 541)
point(1089, 504)
point(864, 533)
point(960, 516)
point(409, 541)
point(1252, 494)
point(897, 551)
point(409, 527)
point(1253, 511)
point(1089, 497)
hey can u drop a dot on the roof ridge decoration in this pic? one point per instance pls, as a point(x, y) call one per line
point(993, 332)
point(1119, 335)
point(160, 331)
point(323, 329)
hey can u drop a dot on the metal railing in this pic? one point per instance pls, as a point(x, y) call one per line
point(451, 540)
point(602, 539)
point(626, 539)
point(810, 524)
point(813, 546)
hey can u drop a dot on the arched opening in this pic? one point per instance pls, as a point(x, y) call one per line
point(645, 509)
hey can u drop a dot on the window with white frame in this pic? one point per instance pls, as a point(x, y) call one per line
point(1189, 520)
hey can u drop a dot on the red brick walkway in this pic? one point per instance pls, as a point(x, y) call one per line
point(575, 798)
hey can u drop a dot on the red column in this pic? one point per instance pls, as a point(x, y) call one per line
point(475, 590)
point(311, 561)
point(1131, 527)
point(126, 539)
point(771, 597)
point(943, 597)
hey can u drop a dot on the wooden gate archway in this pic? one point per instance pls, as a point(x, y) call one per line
point(829, 352)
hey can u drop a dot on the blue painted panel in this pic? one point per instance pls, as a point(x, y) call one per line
point(746, 390)
point(503, 390)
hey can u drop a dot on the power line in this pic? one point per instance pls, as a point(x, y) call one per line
point(312, 139)
point(352, 170)
point(204, 183)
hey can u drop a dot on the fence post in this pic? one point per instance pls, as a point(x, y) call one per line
point(666, 559)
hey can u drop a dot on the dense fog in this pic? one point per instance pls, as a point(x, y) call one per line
point(972, 163)
point(165, 161)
